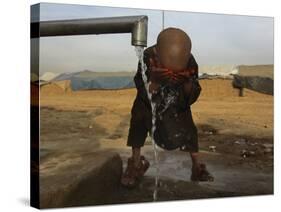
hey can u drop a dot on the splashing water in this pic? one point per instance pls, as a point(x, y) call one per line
point(169, 96)
point(139, 53)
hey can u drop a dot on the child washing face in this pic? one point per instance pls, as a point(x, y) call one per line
point(173, 75)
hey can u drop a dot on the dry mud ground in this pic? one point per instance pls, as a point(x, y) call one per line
point(89, 121)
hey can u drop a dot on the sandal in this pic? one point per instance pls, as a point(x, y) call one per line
point(201, 173)
point(133, 174)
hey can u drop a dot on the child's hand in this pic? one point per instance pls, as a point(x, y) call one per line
point(187, 87)
point(158, 74)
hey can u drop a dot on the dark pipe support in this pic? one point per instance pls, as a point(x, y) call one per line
point(136, 25)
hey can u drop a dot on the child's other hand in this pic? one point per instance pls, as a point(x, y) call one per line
point(187, 86)
point(159, 74)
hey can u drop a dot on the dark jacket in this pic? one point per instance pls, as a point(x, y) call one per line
point(174, 124)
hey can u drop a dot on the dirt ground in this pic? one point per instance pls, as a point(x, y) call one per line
point(235, 139)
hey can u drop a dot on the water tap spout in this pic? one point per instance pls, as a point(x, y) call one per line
point(136, 25)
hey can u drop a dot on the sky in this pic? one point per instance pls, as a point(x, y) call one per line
point(216, 39)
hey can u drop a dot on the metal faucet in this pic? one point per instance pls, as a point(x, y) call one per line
point(136, 25)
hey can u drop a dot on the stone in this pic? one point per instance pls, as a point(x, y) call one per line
point(245, 153)
point(212, 148)
point(241, 141)
point(268, 150)
point(267, 146)
point(208, 132)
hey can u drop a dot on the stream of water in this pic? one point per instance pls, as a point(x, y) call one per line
point(139, 53)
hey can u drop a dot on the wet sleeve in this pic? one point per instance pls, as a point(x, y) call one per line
point(192, 64)
point(195, 91)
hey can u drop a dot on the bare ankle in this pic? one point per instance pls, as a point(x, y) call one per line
point(136, 161)
point(136, 156)
point(194, 159)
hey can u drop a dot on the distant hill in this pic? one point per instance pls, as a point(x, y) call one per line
point(85, 80)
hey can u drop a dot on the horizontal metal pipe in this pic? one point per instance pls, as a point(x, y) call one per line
point(136, 25)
